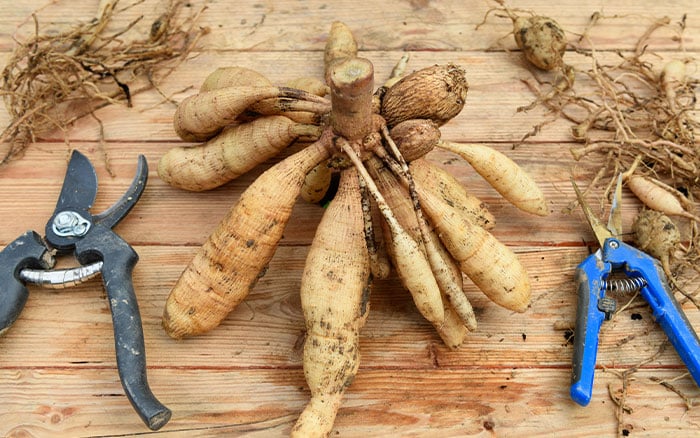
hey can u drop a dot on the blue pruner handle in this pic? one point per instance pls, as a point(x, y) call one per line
point(589, 319)
point(665, 309)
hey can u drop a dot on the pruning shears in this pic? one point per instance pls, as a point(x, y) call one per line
point(641, 272)
point(99, 250)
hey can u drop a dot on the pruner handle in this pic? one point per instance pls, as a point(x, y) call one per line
point(27, 251)
point(589, 319)
point(119, 260)
point(665, 309)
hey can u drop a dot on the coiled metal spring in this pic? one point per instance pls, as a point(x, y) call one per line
point(623, 286)
point(61, 278)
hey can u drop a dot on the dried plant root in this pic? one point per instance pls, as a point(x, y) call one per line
point(673, 77)
point(230, 154)
point(657, 195)
point(503, 174)
point(234, 76)
point(236, 254)
point(334, 288)
point(441, 183)
point(492, 266)
point(444, 268)
point(378, 257)
point(340, 46)
point(437, 93)
point(410, 263)
point(53, 79)
point(201, 116)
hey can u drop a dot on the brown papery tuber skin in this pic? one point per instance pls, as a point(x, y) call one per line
point(437, 93)
point(334, 299)
point(236, 254)
point(415, 137)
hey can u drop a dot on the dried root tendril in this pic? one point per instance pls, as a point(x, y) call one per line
point(637, 116)
point(51, 80)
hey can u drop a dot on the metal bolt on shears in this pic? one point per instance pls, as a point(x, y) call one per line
point(100, 251)
point(644, 274)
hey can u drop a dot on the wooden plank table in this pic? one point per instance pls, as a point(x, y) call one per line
point(510, 378)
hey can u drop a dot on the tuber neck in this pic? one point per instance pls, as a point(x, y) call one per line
point(351, 82)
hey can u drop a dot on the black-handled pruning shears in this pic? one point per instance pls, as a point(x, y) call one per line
point(99, 250)
point(643, 273)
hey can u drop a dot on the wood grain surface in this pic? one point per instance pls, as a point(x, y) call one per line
point(511, 377)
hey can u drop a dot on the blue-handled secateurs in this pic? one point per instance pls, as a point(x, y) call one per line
point(642, 272)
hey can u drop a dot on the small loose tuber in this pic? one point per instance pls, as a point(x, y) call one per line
point(657, 196)
point(541, 39)
point(656, 234)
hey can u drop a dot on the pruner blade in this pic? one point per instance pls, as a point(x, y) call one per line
point(114, 214)
point(79, 185)
point(615, 218)
point(601, 231)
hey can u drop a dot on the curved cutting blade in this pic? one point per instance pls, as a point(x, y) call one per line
point(79, 185)
point(114, 214)
point(615, 219)
point(601, 231)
